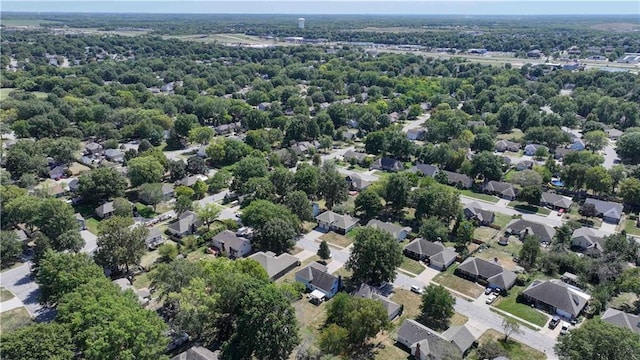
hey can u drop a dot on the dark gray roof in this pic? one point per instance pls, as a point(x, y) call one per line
point(431, 343)
point(274, 264)
point(370, 292)
point(606, 208)
point(622, 319)
point(559, 295)
point(358, 182)
point(491, 271)
point(460, 336)
point(106, 207)
point(426, 169)
point(353, 154)
point(500, 188)
point(183, 223)
point(455, 178)
point(340, 221)
point(197, 353)
point(543, 231)
point(318, 276)
point(556, 200)
point(481, 214)
point(387, 163)
point(230, 239)
point(393, 229)
point(413, 331)
point(425, 247)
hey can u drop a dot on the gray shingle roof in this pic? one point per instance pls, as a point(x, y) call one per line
point(502, 188)
point(369, 292)
point(543, 231)
point(393, 229)
point(318, 276)
point(455, 178)
point(431, 343)
point(460, 336)
point(556, 200)
point(493, 272)
point(230, 239)
point(274, 264)
point(185, 221)
point(622, 319)
point(559, 295)
point(337, 220)
point(426, 169)
point(197, 353)
point(606, 208)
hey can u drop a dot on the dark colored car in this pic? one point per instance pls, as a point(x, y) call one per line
point(554, 322)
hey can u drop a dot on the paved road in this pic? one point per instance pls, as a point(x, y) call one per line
point(19, 281)
point(90, 241)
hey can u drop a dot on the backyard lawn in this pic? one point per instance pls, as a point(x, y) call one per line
point(466, 287)
point(145, 211)
point(14, 319)
point(514, 349)
point(630, 227)
point(290, 277)
point(484, 197)
point(523, 311)
point(411, 266)
point(502, 220)
point(485, 233)
point(92, 225)
point(336, 239)
point(524, 207)
point(5, 295)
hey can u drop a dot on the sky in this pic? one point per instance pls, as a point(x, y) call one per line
point(302, 7)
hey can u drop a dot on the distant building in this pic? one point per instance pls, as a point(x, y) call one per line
point(300, 23)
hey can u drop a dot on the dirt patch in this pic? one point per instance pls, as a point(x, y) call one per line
point(336, 239)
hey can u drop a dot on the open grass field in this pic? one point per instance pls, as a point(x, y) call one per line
point(5, 295)
point(485, 197)
point(513, 349)
point(4, 93)
point(502, 220)
point(336, 239)
point(485, 233)
point(411, 266)
point(630, 227)
point(14, 319)
point(524, 207)
point(27, 22)
point(523, 311)
point(466, 287)
point(224, 39)
point(503, 254)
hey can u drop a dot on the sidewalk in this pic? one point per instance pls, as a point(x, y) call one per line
point(11, 304)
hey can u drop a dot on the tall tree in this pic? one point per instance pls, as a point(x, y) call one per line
point(436, 308)
point(146, 169)
point(630, 191)
point(627, 147)
point(283, 181)
point(177, 169)
point(530, 251)
point(101, 184)
point(488, 165)
point(298, 203)
point(201, 135)
point(323, 251)
point(374, 257)
point(433, 229)
point(208, 213)
point(151, 194)
point(120, 244)
point(368, 203)
point(196, 165)
point(38, 341)
point(596, 339)
point(55, 217)
point(307, 179)
point(276, 235)
point(10, 248)
point(183, 203)
point(530, 194)
point(333, 187)
point(510, 327)
point(596, 140)
point(396, 191)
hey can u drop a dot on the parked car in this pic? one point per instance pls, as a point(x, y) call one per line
point(488, 291)
point(491, 298)
point(565, 329)
point(560, 212)
point(554, 322)
point(416, 289)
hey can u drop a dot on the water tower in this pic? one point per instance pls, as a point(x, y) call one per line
point(300, 23)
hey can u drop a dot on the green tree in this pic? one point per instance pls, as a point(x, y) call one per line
point(122, 207)
point(323, 251)
point(54, 218)
point(100, 185)
point(436, 200)
point(530, 194)
point(436, 308)
point(368, 203)
point(151, 194)
point(396, 191)
point(146, 169)
point(38, 341)
point(374, 257)
point(596, 339)
point(201, 135)
point(433, 229)
point(183, 203)
point(596, 140)
point(283, 181)
point(220, 180)
point(362, 318)
point(119, 243)
point(208, 213)
point(530, 251)
point(334, 339)
point(10, 248)
point(108, 324)
point(184, 123)
point(177, 169)
point(307, 179)
point(332, 185)
point(196, 165)
point(630, 191)
point(298, 203)
point(527, 178)
point(276, 235)
point(598, 179)
point(174, 276)
point(617, 174)
point(168, 252)
point(487, 165)
point(200, 189)
point(464, 233)
point(510, 327)
point(61, 273)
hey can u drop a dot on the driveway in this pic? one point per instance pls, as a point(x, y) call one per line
point(90, 241)
point(608, 228)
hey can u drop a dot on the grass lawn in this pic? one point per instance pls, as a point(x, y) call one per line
point(343, 272)
point(143, 280)
point(485, 233)
point(336, 239)
point(290, 277)
point(630, 227)
point(502, 220)
point(523, 311)
point(5, 295)
point(77, 168)
point(515, 135)
point(504, 255)
point(145, 211)
point(14, 319)
point(411, 266)
point(448, 279)
point(4, 93)
point(92, 225)
point(484, 197)
point(524, 207)
point(352, 234)
point(514, 349)
point(507, 177)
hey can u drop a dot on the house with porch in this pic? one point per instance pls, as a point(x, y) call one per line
point(557, 298)
point(330, 221)
point(501, 189)
point(555, 201)
point(105, 210)
point(317, 277)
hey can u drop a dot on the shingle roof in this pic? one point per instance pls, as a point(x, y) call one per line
point(480, 213)
point(318, 276)
point(425, 247)
point(460, 336)
point(183, 223)
point(340, 221)
point(391, 228)
point(358, 182)
point(493, 272)
point(545, 232)
point(622, 319)
point(353, 154)
point(426, 169)
point(274, 264)
point(197, 353)
point(106, 207)
point(559, 295)
point(431, 342)
point(503, 188)
point(587, 234)
point(369, 292)
point(606, 208)
point(454, 178)
point(230, 239)
point(556, 200)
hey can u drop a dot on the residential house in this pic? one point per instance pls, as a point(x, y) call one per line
point(435, 254)
point(417, 134)
point(105, 210)
point(55, 190)
point(231, 245)
point(304, 147)
point(506, 145)
point(427, 344)
point(577, 145)
point(317, 277)
point(191, 180)
point(81, 222)
point(114, 155)
point(613, 134)
point(532, 148)
point(522, 228)
point(610, 212)
point(387, 164)
point(358, 156)
point(486, 272)
point(396, 231)
point(287, 157)
point(186, 224)
point(348, 136)
point(588, 240)
point(276, 266)
point(154, 238)
point(622, 319)
point(502, 189)
point(426, 169)
point(330, 221)
point(357, 183)
point(73, 184)
point(57, 172)
point(93, 148)
point(167, 192)
point(458, 180)
point(524, 165)
point(555, 201)
point(369, 292)
point(561, 152)
point(557, 297)
point(473, 211)
point(476, 124)
point(197, 352)
point(264, 106)
point(144, 296)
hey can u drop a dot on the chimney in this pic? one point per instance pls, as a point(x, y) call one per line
point(417, 353)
